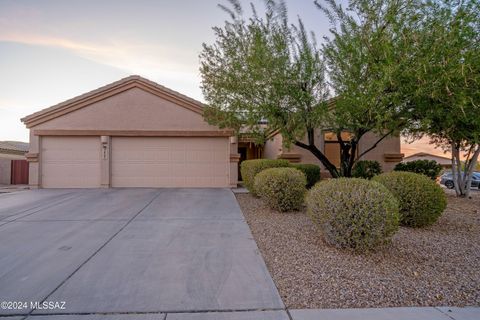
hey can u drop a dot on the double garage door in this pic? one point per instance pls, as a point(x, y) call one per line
point(76, 162)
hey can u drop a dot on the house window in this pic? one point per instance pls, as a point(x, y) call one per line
point(331, 146)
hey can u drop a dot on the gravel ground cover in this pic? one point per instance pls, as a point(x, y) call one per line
point(433, 266)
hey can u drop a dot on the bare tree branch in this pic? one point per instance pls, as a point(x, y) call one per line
point(375, 144)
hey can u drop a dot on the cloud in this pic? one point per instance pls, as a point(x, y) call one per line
point(133, 57)
point(137, 58)
point(170, 65)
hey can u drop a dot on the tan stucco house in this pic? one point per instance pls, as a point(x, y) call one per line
point(387, 151)
point(137, 133)
point(131, 133)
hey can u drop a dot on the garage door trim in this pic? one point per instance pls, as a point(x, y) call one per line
point(135, 133)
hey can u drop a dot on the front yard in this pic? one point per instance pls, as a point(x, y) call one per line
point(432, 266)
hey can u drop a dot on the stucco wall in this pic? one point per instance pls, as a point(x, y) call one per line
point(34, 165)
point(273, 148)
point(134, 109)
point(305, 155)
point(6, 166)
point(5, 171)
point(386, 146)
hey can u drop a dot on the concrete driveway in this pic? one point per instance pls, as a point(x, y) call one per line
point(131, 254)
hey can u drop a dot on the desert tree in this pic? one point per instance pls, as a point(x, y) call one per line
point(263, 68)
point(445, 83)
point(365, 55)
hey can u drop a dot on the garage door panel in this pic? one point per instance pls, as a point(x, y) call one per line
point(70, 162)
point(170, 162)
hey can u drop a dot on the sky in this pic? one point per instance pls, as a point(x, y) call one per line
point(53, 50)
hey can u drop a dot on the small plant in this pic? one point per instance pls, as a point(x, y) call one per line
point(250, 168)
point(353, 213)
point(283, 189)
point(421, 200)
point(311, 171)
point(430, 168)
point(366, 169)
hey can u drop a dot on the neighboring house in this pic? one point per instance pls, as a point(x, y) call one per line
point(446, 163)
point(136, 133)
point(12, 154)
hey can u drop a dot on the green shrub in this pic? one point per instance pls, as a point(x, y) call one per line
point(311, 172)
point(366, 169)
point(430, 168)
point(353, 213)
point(421, 200)
point(250, 168)
point(283, 189)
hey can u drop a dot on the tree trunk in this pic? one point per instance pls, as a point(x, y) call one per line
point(462, 178)
point(317, 153)
point(348, 152)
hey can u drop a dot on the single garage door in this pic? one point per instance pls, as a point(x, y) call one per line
point(170, 162)
point(70, 162)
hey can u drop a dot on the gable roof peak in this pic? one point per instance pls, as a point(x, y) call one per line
point(104, 92)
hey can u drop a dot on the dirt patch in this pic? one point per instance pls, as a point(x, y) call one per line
point(433, 266)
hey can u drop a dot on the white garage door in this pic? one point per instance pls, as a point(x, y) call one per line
point(170, 162)
point(70, 162)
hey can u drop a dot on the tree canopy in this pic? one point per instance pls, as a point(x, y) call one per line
point(445, 82)
point(263, 68)
point(392, 66)
point(366, 55)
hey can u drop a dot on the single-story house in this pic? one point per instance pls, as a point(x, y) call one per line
point(445, 162)
point(137, 133)
point(12, 154)
point(130, 133)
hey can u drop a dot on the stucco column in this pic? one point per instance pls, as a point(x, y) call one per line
point(234, 158)
point(105, 161)
point(33, 161)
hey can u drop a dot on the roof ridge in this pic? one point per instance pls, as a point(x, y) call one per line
point(426, 154)
point(7, 145)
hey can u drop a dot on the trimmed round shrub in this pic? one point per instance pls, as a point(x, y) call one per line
point(283, 189)
point(430, 168)
point(421, 200)
point(311, 172)
point(353, 213)
point(366, 169)
point(250, 168)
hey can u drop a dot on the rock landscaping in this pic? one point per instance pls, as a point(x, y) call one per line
point(431, 266)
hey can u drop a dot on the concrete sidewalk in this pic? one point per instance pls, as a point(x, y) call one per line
point(404, 313)
point(415, 313)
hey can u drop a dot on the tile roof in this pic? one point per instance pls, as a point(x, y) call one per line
point(13, 146)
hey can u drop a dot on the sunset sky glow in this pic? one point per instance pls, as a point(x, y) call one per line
point(53, 50)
